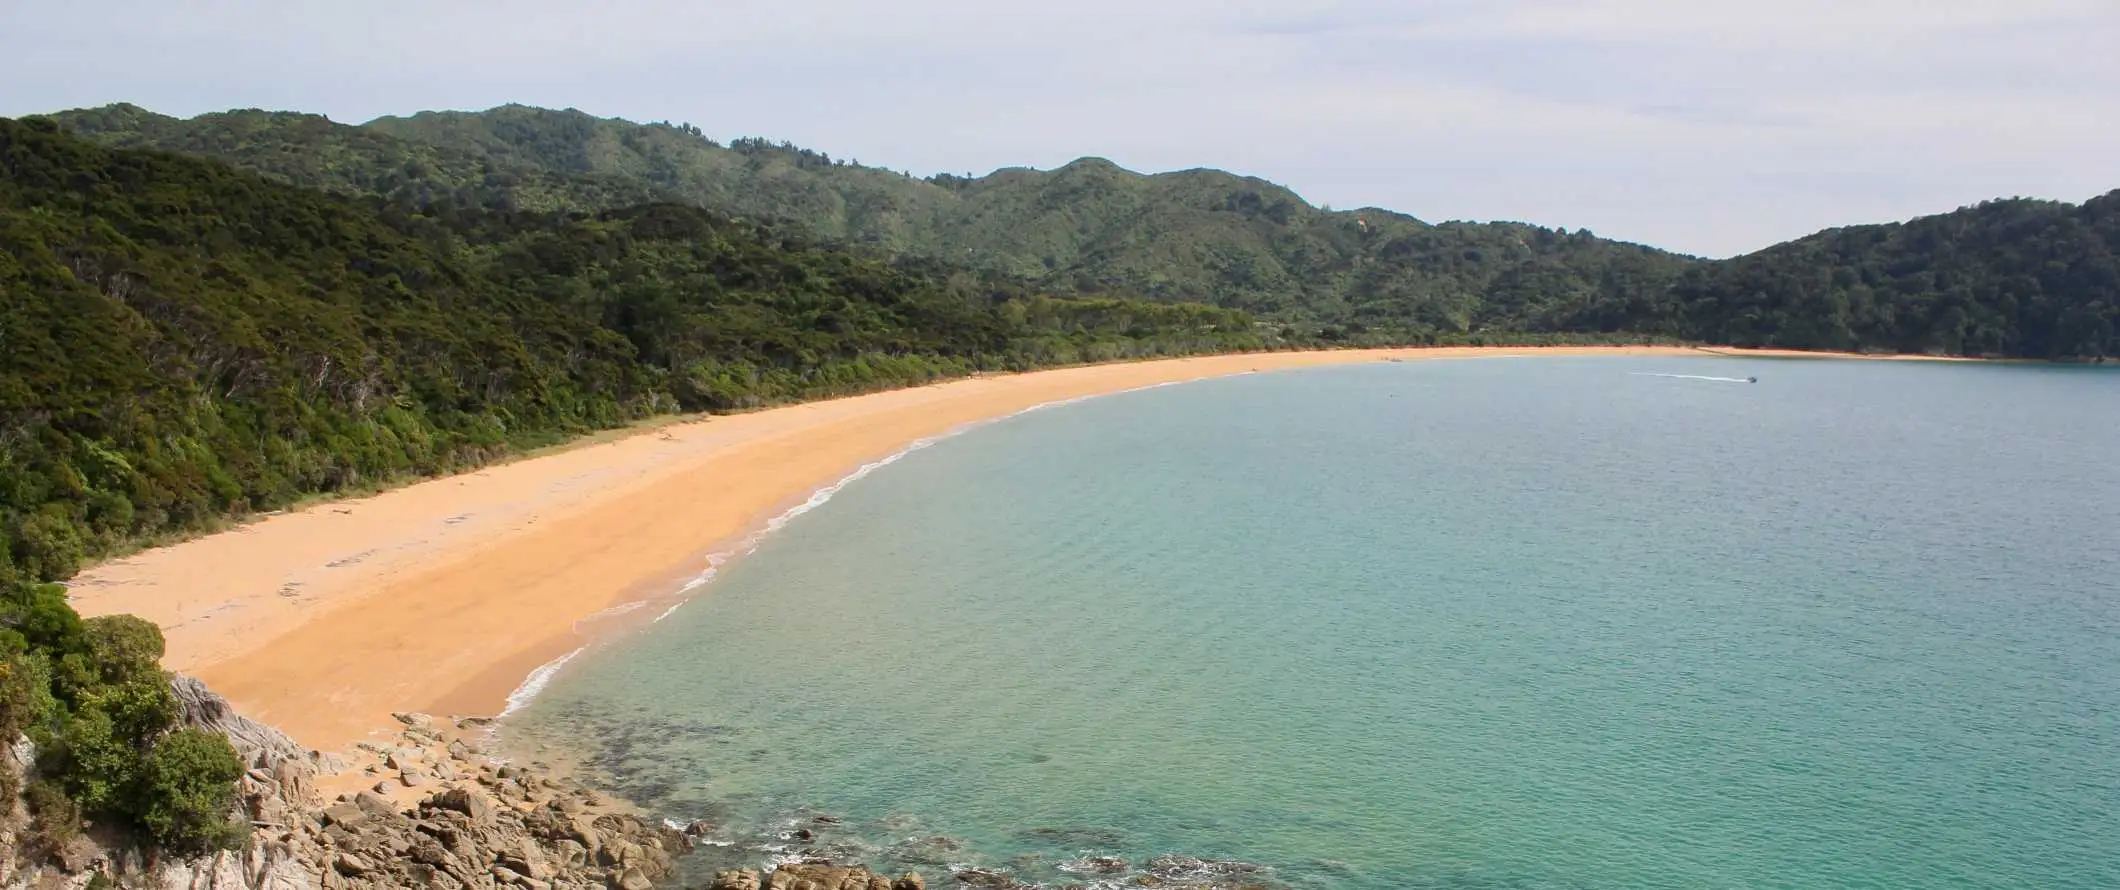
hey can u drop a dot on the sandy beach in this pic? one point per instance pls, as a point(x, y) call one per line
point(443, 595)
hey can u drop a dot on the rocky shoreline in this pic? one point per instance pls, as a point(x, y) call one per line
point(430, 807)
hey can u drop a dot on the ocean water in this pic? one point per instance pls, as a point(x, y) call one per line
point(1500, 623)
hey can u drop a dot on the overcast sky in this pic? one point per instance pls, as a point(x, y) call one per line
point(1707, 126)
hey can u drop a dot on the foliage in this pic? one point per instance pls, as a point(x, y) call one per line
point(184, 342)
point(2018, 278)
point(2014, 278)
point(187, 792)
point(55, 819)
point(1087, 228)
point(94, 697)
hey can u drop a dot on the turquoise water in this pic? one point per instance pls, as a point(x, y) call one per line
point(1520, 623)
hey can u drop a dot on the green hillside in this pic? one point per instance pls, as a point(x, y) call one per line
point(1200, 236)
point(181, 341)
point(2016, 278)
point(2022, 278)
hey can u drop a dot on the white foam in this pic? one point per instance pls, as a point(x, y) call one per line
point(614, 611)
point(536, 682)
point(1691, 377)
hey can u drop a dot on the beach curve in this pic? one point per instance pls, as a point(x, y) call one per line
point(445, 595)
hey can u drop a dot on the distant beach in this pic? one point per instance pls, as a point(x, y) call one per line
point(443, 596)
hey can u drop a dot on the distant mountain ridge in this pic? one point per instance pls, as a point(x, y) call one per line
point(1200, 235)
point(2017, 277)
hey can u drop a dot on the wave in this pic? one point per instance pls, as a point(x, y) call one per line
point(540, 678)
point(1692, 377)
point(537, 681)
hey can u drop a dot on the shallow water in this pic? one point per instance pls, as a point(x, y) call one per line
point(1514, 623)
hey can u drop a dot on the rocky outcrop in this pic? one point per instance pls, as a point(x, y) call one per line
point(814, 876)
point(433, 812)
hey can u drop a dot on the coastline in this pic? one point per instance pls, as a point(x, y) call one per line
point(455, 595)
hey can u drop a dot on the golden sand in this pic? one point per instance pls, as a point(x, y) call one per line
point(441, 596)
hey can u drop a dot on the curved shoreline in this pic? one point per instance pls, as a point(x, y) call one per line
point(445, 596)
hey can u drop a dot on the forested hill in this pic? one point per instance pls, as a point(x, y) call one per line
point(2024, 278)
point(181, 341)
point(1200, 235)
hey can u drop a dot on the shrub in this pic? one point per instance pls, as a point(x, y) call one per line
point(39, 613)
point(122, 649)
point(187, 793)
point(55, 819)
point(47, 545)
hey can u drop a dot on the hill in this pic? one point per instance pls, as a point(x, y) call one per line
point(181, 341)
point(1199, 236)
point(2014, 278)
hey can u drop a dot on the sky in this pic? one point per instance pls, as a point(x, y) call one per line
point(1705, 126)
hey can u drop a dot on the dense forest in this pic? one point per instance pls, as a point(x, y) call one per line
point(2019, 278)
point(181, 341)
point(1194, 236)
point(2007, 278)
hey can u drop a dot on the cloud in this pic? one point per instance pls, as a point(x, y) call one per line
point(1708, 126)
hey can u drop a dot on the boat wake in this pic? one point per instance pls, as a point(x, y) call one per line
point(1695, 377)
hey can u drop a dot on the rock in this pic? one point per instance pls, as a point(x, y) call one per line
point(412, 778)
point(980, 877)
point(804, 834)
point(344, 815)
point(909, 881)
point(631, 879)
point(468, 722)
point(374, 804)
point(296, 781)
point(350, 865)
point(739, 879)
point(460, 751)
point(256, 743)
point(382, 788)
point(466, 801)
point(526, 858)
point(414, 720)
point(821, 876)
point(826, 820)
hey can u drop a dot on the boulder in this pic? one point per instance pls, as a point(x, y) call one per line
point(343, 815)
point(351, 865)
point(631, 879)
point(374, 804)
point(466, 801)
point(738, 879)
point(909, 881)
point(819, 876)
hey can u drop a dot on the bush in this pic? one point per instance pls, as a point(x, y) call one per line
point(55, 819)
point(121, 649)
point(93, 763)
point(187, 793)
point(47, 545)
point(25, 692)
point(39, 612)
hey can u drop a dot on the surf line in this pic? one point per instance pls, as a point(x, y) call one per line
point(542, 677)
point(1695, 377)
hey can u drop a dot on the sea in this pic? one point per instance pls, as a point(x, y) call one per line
point(1541, 622)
